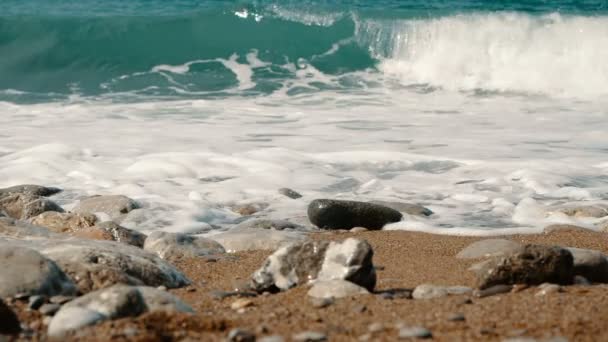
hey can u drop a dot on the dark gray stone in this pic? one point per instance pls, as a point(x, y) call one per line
point(290, 193)
point(49, 309)
point(408, 208)
point(338, 214)
point(30, 189)
point(25, 271)
point(300, 263)
point(591, 264)
point(532, 265)
point(35, 302)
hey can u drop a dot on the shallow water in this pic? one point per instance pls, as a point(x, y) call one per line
point(487, 117)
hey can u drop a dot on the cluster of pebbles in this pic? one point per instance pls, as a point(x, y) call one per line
point(81, 267)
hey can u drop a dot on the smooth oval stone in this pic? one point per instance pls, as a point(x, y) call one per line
point(73, 318)
point(339, 214)
point(335, 288)
point(487, 248)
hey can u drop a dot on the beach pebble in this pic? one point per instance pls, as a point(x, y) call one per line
point(300, 263)
point(336, 288)
point(456, 317)
point(49, 309)
point(320, 303)
point(30, 189)
point(36, 301)
point(428, 291)
point(114, 206)
point(267, 224)
point(173, 246)
point(240, 335)
point(241, 303)
point(339, 214)
point(60, 299)
point(488, 248)
point(532, 265)
point(73, 318)
point(546, 288)
point(25, 271)
point(271, 338)
point(25, 206)
point(309, 336)
point(414, 332)
point(493, 290)
point(9, 323)
point(121, 234)
point(249, 209)
point(591, 264)
point(64, 222)
point(358, 230)
point(236, 240)
point(408, 208)
point(289, 193)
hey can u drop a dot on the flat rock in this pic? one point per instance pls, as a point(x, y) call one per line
point(338, 214)
point(415, 332)
point(25, 271)
point(488, 248)
point(596, 211)
point(591, 264)
point(97, 264)
point(25, 206)
point(428, 291)
point(64, 222)
point(335, 289)
point(309, 336)
point(9, 323)
point(236, 240)
point(408, 208)
point(120, 234)
point(30, 189)
point(289, 193)
point(112, 303)
point(172, 246)
point(300, 263)
point(115, 206)
point(532, 265)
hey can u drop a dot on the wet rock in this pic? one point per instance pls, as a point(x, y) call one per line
point(114, 206)
point(300, 263)
point(532, 265)
point(488, 248)
point(24, 206)
point(173, 246)
point(73, 318)
point(408, 208)
point(9, 323)
point(335, 289)
point(240, 335)
point(249, 209)
point(237, 240)
point(591, 264)
point(21, 229)
point(595, 211)
point(23, 270)
point(428, 291)
point(112, 303)
point(289, 193)
point(338, 214)
point(268, 224)
point(546, 288)
point(97, 264)
point(309, 336)
point(30, 189)
point(64, 222)
point(49, 309)
point(111, 231)
point(415, 332)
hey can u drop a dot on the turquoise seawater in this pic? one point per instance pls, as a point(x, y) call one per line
point(54, 49)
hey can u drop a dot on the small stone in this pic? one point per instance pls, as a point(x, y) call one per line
point(36, 302)
point(580, 280)
point(488, 248)
point(241, 303)
point(428, 291)
point(249, 209)
point(49, 309)
point(236, 240)
point(309, 336)
point(493, 290)
point(415, 332)
point(545, 289)
point(240, 335)
point(114, 206)
point(376, 327)
point(338, 214)
point(358, 230)
point(336, 289)
point(9, 323)
point(60, 299)
point(73, 318)
point(64, 222)
point(272, 338)
point(519, 287)
point(590, 264)
point(456, 317)
point(289, 193)
point(22, 206)
point(320, 303)
point(162, 288)
point(359, 308)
